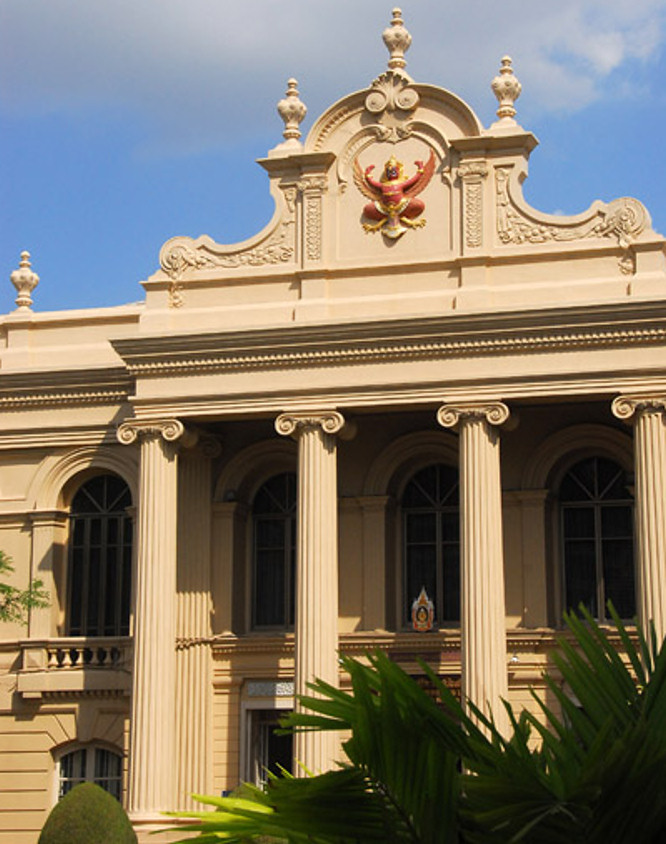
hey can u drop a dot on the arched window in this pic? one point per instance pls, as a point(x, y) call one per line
point(274, 552)
point(91, 764)
point(431, 522)
point(596, 507)
point(100, 559)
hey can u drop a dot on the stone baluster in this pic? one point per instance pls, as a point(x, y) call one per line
point(153, 709)
point(649, 420)
point(483, 616)
point(317, 570)
point(194, 668)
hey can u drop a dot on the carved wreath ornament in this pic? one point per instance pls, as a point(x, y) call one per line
point(393, 206)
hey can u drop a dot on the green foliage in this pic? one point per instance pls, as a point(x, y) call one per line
point(418, 772)
point(15, 603)
point(87, 815)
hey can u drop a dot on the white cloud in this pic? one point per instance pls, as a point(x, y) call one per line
point(203, 72)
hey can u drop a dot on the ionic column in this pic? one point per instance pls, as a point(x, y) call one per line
point(649, 420)
point(194, 668)
point(483, 624)
point(316, 631)
point(153, 711)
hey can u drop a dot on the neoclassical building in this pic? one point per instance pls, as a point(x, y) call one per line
point(413, 413)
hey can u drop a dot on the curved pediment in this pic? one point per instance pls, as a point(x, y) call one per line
point(399, 201)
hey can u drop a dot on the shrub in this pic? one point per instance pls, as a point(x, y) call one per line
point(87, 815)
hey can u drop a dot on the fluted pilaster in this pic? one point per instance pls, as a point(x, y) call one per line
point(483, 624)
point(194, 669)
point(317, 569)
point(153, 712)
point(649, 420)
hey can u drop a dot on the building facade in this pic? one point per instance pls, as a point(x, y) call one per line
point(413, 413)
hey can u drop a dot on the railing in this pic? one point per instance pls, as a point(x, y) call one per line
point(110, 654)
point(75, 664)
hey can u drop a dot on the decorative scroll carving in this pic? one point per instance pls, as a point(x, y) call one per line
point(625, 407)
point(330, 421)
point(494, 413)
point(170, 430)
point(391, 91)
point(182, 255)
point(623, 219)
point(472, 173)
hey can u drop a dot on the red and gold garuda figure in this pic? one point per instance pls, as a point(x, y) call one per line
point(394, 207)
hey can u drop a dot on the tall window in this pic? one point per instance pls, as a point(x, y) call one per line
point(100, 559)
point(269, 750)
point(598, 538)
point(274, 552)
point(432, 541)
point(91, 764)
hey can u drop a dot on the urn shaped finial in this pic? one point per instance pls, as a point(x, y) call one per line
point(397, 40)
point(506, 88)
point(292, 110)
point(25, 281)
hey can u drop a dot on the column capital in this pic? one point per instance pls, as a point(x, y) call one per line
point(294, 423)
point(170, 430)
point(492, 412)
point(626, 407)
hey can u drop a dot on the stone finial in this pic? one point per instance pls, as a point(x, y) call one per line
point(506, 88)
point(292, 111)
point(397, 40)
point(25, 281)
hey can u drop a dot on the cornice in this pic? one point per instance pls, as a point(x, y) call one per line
point(57, 437)
point(453, 335)
point(37, 389)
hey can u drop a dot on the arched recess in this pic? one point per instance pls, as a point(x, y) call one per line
point(541, 479)
point(550, 461)
point(393, 468)
point(52, 487)
point(49, 495)
point(382, 526)
point(246, 471)
point(235, 490)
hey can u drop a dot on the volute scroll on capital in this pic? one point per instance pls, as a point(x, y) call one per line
point(170, 430)
point(291, 424)
point(627, 407)
point(494, 413)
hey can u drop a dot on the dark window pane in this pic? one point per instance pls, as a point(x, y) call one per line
point(580, 571)
point(270, 589)
point(450, 521)
point(270, 533)
point(598, 537)
point(99, 583)
point(618, 557)
point(580, 482)
point(451, 583)
point(579, 523)
point(421, 527)
point(421, 572)
point(274, 511)
point(617, 522)
point(431, 534)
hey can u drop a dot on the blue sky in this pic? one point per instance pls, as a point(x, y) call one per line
point(126, 122)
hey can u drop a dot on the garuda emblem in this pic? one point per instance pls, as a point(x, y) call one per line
point(394, 208)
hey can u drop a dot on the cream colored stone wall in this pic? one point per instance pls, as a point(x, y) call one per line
point(556, 321)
